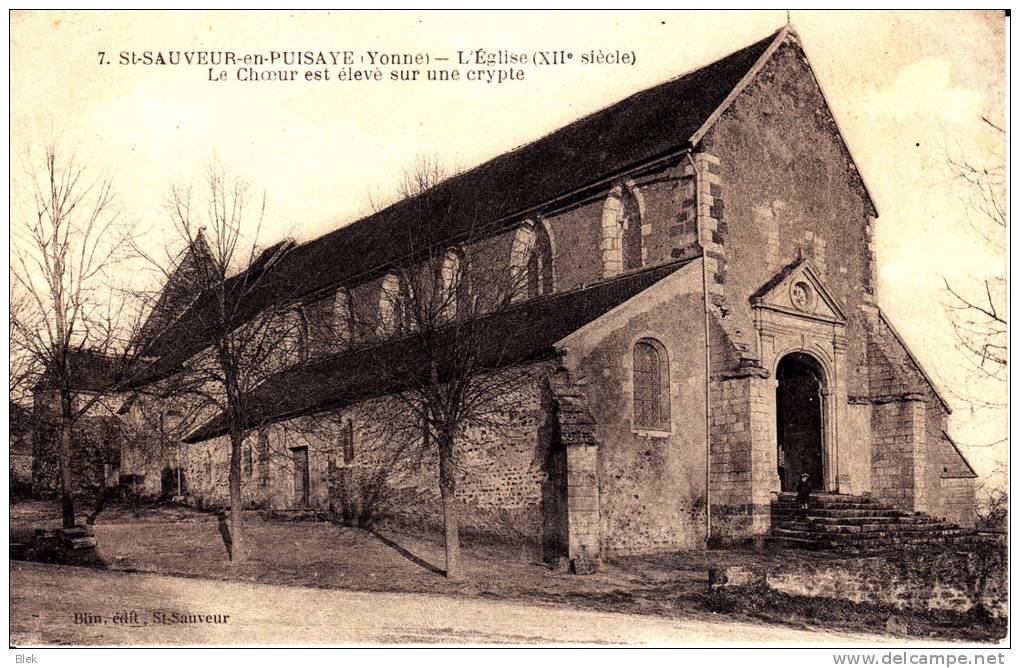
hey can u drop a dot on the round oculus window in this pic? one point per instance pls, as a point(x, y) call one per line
point(802, 295)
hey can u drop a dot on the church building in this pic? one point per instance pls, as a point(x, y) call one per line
point(702, 326)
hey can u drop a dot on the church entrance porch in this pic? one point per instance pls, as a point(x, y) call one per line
point(799, 421)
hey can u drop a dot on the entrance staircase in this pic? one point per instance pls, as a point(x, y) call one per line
point(857, 524)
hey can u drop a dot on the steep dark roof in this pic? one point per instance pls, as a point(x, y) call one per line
point(89, 372)
point(245, 295)
point(182, 288)
point(645, 126)
point(524, 332)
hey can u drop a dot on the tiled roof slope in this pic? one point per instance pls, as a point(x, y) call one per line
point(640, 128)
point(179, 292)
point(89, 371)
point(525, 332)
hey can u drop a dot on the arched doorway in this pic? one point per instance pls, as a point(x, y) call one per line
point(799, 421)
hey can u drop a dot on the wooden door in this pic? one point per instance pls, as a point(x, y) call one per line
point(300, 456)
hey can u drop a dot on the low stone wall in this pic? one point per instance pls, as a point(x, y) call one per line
point(955, 581)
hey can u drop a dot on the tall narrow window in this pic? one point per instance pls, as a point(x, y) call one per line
point(263, 451)
point(320, 334)
point(621, 232)
point(301, 333)
point(523, 276)
point(451, 275)
point(408, 308)
point(543, 262)
point(347, 441)
point(343, 321)
point(389, 305)
point(630, 221)
point(651, 386)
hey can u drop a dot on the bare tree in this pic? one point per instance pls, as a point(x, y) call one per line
point(444, 365)
point(232, 351)
point(24, 369)
point(67, 323)
point(978, 309)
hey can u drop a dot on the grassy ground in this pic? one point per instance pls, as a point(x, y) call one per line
point(182, 541)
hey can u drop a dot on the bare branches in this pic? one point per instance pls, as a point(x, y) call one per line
point(211, 306)
point(69, 326)
point(978, 309)
point(438, 334)
point(63, 253)
point(24, 366)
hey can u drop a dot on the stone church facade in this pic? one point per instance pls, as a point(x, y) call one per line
point(732, 182)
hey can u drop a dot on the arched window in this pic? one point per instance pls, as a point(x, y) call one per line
point(523, 279)
point(409, 310)
point(453, 284)
point(297, 344)
point(543, 262)
point(319, 325)
point(530, 262)
point(630, 222)
point(389, 305)
point(343, 319)
point(651, 386)
point(621, 232)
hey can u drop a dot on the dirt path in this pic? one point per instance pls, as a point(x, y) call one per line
point(44, 600)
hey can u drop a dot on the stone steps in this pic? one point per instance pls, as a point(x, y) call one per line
point(833, 527)
point(856, 523)
point(863, 513)
point(871, 518)
point(876, 544)
point(856, 537)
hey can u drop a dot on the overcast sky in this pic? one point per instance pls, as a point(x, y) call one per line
point(906, 89)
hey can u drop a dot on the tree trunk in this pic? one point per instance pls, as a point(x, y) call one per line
point(238, 551)
point(66, 484)
point(452, 536)
point(447, 488)
point(345, 490)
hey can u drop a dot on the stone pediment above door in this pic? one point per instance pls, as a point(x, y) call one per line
point(797, 290)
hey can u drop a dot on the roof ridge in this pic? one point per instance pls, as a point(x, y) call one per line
point(610, 105)
point(540, 138)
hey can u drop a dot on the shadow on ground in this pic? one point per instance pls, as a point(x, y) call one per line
point(407, 554)
point(176, 540)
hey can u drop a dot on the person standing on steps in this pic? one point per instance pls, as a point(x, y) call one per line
point(781, 460)
point(803, 494)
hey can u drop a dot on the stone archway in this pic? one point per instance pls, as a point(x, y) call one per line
point(800, 421)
